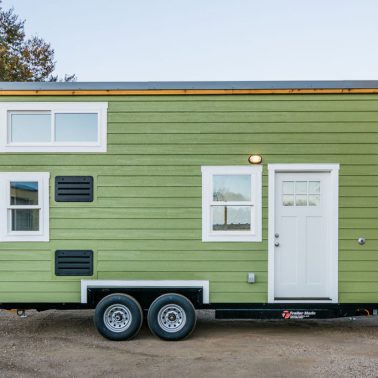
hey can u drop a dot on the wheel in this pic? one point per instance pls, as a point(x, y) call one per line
point(118, 317)
point(171, 317)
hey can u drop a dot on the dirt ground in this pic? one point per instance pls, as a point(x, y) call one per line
point(66, 344)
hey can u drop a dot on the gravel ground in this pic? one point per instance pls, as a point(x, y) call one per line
point(66, 344)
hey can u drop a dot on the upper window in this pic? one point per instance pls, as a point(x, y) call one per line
point(53, 127)
point(24, 206)
point(231, 203)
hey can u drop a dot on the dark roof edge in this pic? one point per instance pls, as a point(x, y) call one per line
point(189, 85)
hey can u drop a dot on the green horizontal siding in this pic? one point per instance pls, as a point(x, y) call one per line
point(145, 221)
point(179, 156)
point(186, 255)
point(246, 116)
point(235, 139)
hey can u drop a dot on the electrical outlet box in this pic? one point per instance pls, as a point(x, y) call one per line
point(251, 277)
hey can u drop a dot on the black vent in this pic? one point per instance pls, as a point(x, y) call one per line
point(73, 188)
point(73, 263)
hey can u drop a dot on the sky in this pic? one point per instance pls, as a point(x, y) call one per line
point(210, 40)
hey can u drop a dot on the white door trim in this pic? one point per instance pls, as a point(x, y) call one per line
point(333, 169)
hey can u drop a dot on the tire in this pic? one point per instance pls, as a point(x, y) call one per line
point(171, 317)
point(118, 317)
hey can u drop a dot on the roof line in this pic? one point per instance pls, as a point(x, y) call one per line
point(120, 92)
point(187, 85)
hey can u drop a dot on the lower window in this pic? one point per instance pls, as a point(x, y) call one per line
point(24, 206)
point(231, 203)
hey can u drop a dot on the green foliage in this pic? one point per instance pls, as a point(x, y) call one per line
point(21, 58)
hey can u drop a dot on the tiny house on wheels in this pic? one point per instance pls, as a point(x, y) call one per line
point(254, 199)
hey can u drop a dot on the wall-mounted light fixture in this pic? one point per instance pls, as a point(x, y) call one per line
point(255, 159)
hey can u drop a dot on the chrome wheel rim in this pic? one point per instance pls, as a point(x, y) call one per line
point(171, 318)
point(117, 318)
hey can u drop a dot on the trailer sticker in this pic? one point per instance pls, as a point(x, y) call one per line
point(286, 314)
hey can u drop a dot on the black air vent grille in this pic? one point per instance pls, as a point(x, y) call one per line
point(73, 263)
point(73, 188)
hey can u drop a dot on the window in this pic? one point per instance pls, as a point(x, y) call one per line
point(24, 206)
point(231, 203)
point(301, 193)
point(53, 127)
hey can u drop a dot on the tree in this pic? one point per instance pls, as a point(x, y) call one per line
point(21, 58)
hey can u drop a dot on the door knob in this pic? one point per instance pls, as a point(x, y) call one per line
point(276, 235)
point(276, 244)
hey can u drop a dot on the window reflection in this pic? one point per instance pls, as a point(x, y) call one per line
point(314, 187)
point(24, 192)
point(288, 187)
point(231, 188)
point(76, 127)
point(300, 193)
point(25, 219)
point(288, 199)
point(314, 199)
point(30, 127)
point(231, 218)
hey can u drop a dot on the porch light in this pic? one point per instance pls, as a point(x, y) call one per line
point(255, 159)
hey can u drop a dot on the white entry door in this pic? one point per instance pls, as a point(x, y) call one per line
point(302, 236)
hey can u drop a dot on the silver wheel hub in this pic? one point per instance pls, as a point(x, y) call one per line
point(117, 318)
point(171, 318)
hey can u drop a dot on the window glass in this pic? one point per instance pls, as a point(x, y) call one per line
point(301, 200)
point(231, 187)
point(314, 199)
point(288, 187)
point(76, 127)
point(231, 218)
point(306, 193)
point(25, 219)
point(314, 187)
point(24, 192)
point(288, 200)
point(30, 127)
point(301, 187)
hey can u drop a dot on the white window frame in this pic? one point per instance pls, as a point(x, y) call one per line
point(254, 235)
point(53, 107)
point(6, 235)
